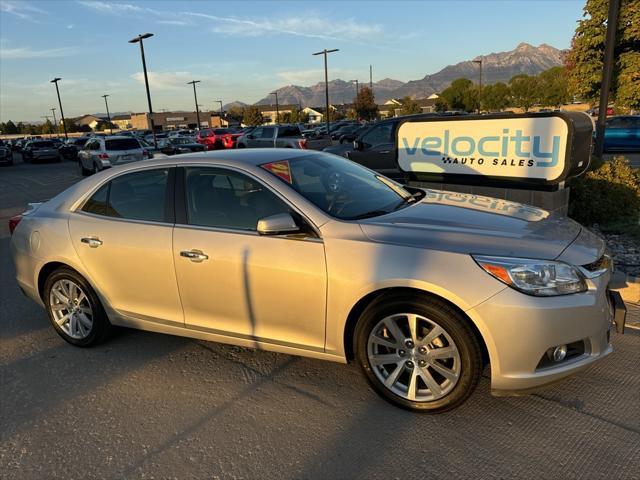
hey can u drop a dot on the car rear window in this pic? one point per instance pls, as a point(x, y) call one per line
point(122, 144)
point(42, 144)
point(290, 131)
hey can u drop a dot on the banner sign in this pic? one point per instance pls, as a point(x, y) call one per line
point(529, 148)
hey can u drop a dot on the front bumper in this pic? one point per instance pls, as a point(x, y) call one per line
point(519, 330)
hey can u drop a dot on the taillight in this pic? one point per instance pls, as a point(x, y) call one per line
point(103, 156)
point(13, 223)
point(302, 143)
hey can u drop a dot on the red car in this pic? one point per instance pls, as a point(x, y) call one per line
point(217, 138)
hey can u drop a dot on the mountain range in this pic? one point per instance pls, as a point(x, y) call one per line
point(496, 67)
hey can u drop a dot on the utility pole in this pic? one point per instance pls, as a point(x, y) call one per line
point(277, 108)
point(607, 72)
point(326, 82)
point(195, 97)
point(139, 40)
point(479, 62)
point(64, 126)
point(55, 122)
point(108, 114)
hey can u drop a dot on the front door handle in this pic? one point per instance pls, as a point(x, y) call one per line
point(93, 242)
point(194, 255)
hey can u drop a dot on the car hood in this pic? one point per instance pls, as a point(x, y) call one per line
point(474, 224)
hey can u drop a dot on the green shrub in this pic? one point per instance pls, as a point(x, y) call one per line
point(610, 193)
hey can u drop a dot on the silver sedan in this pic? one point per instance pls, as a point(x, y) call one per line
point(310, 254)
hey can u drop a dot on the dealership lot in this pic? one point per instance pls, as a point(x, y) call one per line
point(153, 406)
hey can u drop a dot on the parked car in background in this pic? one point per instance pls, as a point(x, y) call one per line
point(6, 154)
point(281, 136)
point(348, 135)
point(175, 145)
point(622, 134)
point(218, 138)
point(342, 129)
point(100, 153)
point(336, 263)
point(70, 149)
point(40, 150)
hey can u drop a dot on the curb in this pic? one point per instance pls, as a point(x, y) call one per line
point(627, 285)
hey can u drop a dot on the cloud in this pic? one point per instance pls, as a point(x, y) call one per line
point(311, 25)
point(22, 10)
point(70, 26)
point(301, 77)
point(108, 7)
point(28, 52)
point(165, 80)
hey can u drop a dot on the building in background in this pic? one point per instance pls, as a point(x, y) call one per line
point(123, 122)
point(171, 120)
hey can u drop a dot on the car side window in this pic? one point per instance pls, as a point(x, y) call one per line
point(378, 135)
point(226, 199)
point(133, 196)
point(267, 132)
point(256, 133)
point(97, 204)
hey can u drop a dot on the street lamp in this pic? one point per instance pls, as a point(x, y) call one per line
point(139, 40)
point(356, 82)
point(326, 80)
point(220, 102)
point(64, 126)
point(55, 122)
point(479, 62)
point(195, 97)
point(108, 114)
point(277, 108)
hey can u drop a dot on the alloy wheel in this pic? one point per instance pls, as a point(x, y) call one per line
point(414, 357)
point(71, 309)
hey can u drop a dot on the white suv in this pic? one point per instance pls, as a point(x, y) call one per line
point(99, 153)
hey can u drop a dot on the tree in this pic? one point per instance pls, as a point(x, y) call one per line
point(460, 95)
point(303, 117)
point(441, 105)
point(584, 60)
point(47, 127)
point(495, 97)
point(252, 116)
point(524, 91)
point(552, 86)
point(10, 128)
point(365, 105)
point(235, 113)
point(409, 107)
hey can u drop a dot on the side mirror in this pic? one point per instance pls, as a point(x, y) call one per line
point(277, 224)
point(358, 145)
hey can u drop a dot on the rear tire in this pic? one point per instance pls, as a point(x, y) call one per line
point(74, 309)
point(432, 367)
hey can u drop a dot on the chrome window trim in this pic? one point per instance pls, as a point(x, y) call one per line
point(127, 220)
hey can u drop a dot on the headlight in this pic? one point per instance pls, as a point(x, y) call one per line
point(543, 278)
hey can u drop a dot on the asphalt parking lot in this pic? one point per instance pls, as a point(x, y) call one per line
point(145, 405)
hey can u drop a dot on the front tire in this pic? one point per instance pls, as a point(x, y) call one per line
point(418, 353)
point(74, 309)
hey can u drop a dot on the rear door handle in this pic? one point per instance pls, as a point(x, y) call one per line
point(93, 242)
point(194, 255)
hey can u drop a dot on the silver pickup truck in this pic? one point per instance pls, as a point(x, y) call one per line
point(281, 136)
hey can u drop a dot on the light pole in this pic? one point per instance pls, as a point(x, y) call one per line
point(108, 114)
point(356, 82)
point(326, 81)
point(139, 39)
point(64, 126)
point(479, 62)
point(195, 97)
point(55, 122)
point(221, 112)
point(277, 108)
point(607, 71)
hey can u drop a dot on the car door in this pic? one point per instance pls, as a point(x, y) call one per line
point(266, 139)
point(236, 282)
point(253, 138)
point(123, 236)
point(378, 150)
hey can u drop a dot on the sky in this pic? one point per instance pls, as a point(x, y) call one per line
point(244, 50)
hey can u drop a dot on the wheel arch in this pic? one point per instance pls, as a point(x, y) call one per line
point(364, 302)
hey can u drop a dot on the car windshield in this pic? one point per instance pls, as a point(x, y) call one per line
point(122, 144)
point(341, 188)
